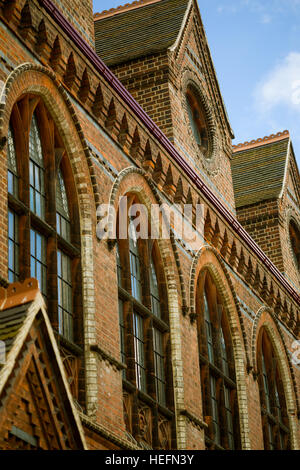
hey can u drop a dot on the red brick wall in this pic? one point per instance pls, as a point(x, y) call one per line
point(80, 14)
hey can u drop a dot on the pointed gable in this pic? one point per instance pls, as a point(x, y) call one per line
point(36, 406)
point(258, 168)
point(292, 180)
point(138, 30)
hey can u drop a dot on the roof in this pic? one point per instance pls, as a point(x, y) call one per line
point(126, 33)
point(20, 305)
point(14, 304)
point(258, 168)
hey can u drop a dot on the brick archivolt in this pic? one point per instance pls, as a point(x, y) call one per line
point(34, 79)
point(265, 318)
point(208, 258)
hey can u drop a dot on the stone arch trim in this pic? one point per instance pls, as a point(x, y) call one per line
point(193, 281)
point(272, 325)
point(213, 262)
point(134, 179)
point(41, 81)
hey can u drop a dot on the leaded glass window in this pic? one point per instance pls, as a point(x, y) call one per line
point(139, 352)
point(154, 291)
point(135, 269)
point(36, 171)
point(65, 298)
point(273, 403)
point(144, 340)
point(62, 209)
point(12, 173)
point(159, 366)
point(217, 368)
point(38, 261)
point(13, 247)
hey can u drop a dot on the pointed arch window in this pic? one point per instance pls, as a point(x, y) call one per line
point(144, 341)
point(36, 171)
point(273, 404)
point(43, 227)
point(220, 408)
point(197, 120)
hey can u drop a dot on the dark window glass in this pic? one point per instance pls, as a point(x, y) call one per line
point(36, 171)
point(13, 247)
point(38, 263)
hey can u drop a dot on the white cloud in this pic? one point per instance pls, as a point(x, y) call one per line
point(281, 86)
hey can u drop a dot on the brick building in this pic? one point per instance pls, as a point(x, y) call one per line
point(125, 343)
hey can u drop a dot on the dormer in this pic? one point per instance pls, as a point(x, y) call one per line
point(267, 193)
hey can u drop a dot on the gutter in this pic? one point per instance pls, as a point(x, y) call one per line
point(116, 85)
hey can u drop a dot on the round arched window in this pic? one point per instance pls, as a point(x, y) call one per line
point(198, 121)
point(295, 242)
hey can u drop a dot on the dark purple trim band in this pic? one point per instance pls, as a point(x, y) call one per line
point(83, 46)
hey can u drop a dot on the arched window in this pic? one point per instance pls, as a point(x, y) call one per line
point(295, 242)
point(197, 120)
point(144, 341)
point(273, 404)
point(43, 225)
point(219, 393)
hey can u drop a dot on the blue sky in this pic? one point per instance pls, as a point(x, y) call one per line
point(255, 46)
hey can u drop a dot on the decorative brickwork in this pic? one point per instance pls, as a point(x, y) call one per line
point(113, 148)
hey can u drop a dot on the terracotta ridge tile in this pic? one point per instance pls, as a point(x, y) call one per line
point(261, 141)
point(123, 8)
point(18, 293)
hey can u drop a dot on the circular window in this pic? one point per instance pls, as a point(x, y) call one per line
point(198, 122)
point(295, 242)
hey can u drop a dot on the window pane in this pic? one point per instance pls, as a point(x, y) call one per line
point(208, 330)
point(215, 410)
point(193, 122)
point(12, 173)
point(266, 384)
point(225, 365)
point(229, 418)
point(36, 171)
point(159, 367)
point(62, 217)
point(135, 265)
point(154, 291)
point(38, 258)
point(122, 335)
point(139, 353)
point(13, 247)
point(65, 298)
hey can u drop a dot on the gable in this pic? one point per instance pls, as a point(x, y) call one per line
point(33, 411)
point(258, 170)
point(291, 184)
point(36, 406)
point(138, 32)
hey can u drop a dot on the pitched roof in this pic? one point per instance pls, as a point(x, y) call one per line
point(138, 30)
point(20, 306)
point(258, 168)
